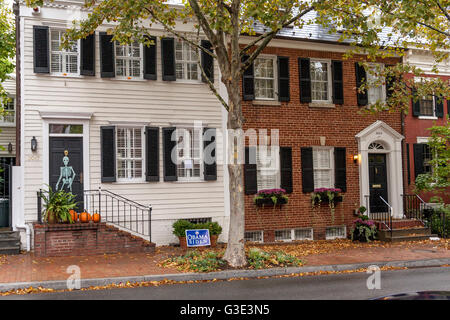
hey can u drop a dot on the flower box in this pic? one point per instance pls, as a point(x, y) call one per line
point(270, 197)
point(326, 201)
point(269, 202)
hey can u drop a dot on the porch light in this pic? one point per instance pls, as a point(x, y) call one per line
point(356, 158)
point(33, 144)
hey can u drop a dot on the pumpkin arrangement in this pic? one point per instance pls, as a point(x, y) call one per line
point(86, 217)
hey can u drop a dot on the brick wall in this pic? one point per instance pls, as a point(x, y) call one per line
point(301, 126)
point(85, 239)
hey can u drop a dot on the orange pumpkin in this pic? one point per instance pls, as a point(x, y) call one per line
point(96, 217)
point(73, 215)
point(84, 216)
point(89, 217)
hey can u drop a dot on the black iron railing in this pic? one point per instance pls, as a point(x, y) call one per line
point(380, 210)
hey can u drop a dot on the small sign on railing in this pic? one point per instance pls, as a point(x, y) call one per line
point(198, 238)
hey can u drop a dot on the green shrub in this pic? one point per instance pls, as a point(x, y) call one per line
point(439, 221)
point(180, 226)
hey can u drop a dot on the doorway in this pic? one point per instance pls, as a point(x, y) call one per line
point(378, 182)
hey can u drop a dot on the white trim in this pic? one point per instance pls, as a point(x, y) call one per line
point(132, 180)
point(77, 116)
point(331, 169)
point(383, 86)
point(423, 139)
point(141, 64)
point(330, 81)
point(275, 77)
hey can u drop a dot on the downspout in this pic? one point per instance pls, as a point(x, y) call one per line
point(16, 9)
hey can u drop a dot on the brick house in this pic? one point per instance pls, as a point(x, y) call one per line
point(304, 88)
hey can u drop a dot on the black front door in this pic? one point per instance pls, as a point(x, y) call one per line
point(66, 166)
point(6, 164)
point(378, 182)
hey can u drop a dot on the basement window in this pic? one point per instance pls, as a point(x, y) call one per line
point(338, 232)
point(253, 236)
point(303, 234)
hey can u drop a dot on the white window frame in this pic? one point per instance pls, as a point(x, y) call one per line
point(328, 237)
point(191, 178)
point(260, 169)
point(63, 54)
point(5, 123)
point(128, 60)
point(331, 169)
point(184, 62)
point(433, 107)
point(329, 76)
point(383, 86)
point(261, 234)
point(275, 77)
point(118, 158)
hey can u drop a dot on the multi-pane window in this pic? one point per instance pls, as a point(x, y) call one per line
point(323, 167)
point(189, 152)
point(427, 157)
point(320, 80)
point(128, 60)
point(62, 60)
point(375, 91)
point(129, 153)
point(427, 106)
point(264, 78)
point(10, 113)
point(268, 168)
point(186, 61)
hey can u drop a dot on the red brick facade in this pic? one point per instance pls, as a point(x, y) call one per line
point(85, 239)
point(301, 126)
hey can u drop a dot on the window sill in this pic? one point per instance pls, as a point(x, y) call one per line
point(327, 105)
point(266, 103)
point(126, 79)
point(182, 81)
point(428, 118)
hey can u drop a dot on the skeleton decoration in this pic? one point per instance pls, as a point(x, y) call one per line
point(67, 174)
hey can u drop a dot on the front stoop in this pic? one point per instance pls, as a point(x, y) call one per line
point(410, 234)
point(9, 242)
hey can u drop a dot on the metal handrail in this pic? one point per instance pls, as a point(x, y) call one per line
point(389, 206)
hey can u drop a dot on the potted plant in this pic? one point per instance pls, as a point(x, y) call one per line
point(214, 231)
point(272, 197)
point(179, 228)
point(326, 195)
point(360, 211)
point(364, 230)
point(57, 206)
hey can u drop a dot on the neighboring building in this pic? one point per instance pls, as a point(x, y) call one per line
point(422, 115)
point(111, 109)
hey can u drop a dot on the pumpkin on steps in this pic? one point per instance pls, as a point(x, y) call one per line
point(73, 215)
point(96, 217)
point(84, 216)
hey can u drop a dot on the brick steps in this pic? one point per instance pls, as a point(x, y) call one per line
point(403, 230)
point(9, 242)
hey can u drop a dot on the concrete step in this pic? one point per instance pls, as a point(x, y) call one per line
point(10, 250)
point(410, 238)
point(9, 242)
point(404, 232)
point(9, 234)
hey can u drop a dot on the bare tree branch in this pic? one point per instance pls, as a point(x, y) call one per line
point(443, 10)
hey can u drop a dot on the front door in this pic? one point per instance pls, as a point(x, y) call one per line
point(66, 166)
point(378, 182)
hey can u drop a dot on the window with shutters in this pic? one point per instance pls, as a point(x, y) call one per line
point(265, 75)
point(10, 112)
point(376, 92)
point(268, 168)
point(128, 60)
point(427, 157)
point(320, 80)
point(129, 153)
point(427, 106)
point(189, 153)
point(186, 61)
point(323, 162)
point(63, 61)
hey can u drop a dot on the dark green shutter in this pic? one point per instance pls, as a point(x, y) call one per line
point(286, 168)
point(250, 171)
point(152, 153)
point(304, 68)
point(338, 82)
point(150, 60)
point(283, 79)
point(389, 84)
point(340, 169)
point(41, 51)
point(415, 104)
point(307, 170)
point(108, 153)
point(209, 154)
point(170, 165)
point(107, 64)
point(408, 163)
point(168, 59)
point(418, 159)
point(248, 82)
point(207, 61)
point(439, 107)
point(361, 77)
point(87, 53)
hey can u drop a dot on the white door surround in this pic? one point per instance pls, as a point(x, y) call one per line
point(381, 138)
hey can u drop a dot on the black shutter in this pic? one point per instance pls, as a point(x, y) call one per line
point(304, 68)
point(248, 82)
point(286, 168)
point(418, 159)
point(150, 60)
point(87, 63)
point(415, 104)
point(408, 163)
point(207, 61)
point(168, 59)
point(389, 84)
point(107, 68)
point(250, 171)
point(340, 169)
point(152, 153)
point(338, 82)
point(108, 157)
point(41, 57)
point(283, 79)
point(361, 77)
point(209, 154)
point(439, 107)
point(170, 167)
point(307, 170)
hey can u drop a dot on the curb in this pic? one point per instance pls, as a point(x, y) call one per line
point(224, 275)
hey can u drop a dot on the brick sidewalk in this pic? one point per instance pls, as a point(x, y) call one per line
point(27, 267)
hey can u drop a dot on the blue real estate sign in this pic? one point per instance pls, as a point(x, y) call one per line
point(198, 238)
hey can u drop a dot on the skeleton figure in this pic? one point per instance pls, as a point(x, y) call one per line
point(67, 174)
